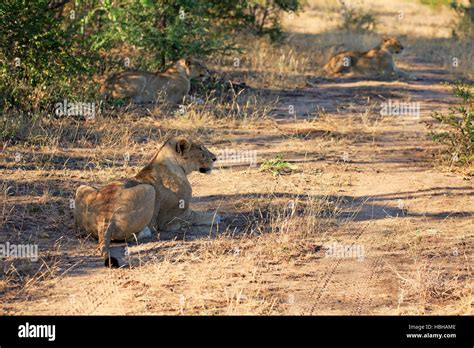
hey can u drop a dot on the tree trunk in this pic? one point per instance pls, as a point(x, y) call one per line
point(161, 26)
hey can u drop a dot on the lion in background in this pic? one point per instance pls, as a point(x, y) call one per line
point(377, 62)
point(157, 198)
point(172, 85)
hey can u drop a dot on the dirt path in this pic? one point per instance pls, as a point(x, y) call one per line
point(406, 226)
point(412, 215)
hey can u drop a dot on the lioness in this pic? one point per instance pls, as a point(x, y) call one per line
point(157, 198)
point(376, 62)
point(145, 87)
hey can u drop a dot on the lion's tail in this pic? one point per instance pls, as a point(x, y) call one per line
point(104, 244)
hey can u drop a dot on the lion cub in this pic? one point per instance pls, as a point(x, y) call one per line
point(376, 62)
point(146, 87)
point(156, 198)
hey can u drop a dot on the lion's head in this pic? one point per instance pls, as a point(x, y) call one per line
point(191, 67)
point(192, 156)
point(392, 44)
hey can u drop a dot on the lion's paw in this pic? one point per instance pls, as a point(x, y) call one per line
point(145, 233)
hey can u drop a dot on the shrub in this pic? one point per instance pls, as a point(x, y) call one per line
point(161, 31)
point(459, 136)
point(40, 56)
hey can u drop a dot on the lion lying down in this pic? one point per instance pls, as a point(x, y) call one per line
point(377, 62)
point(157, 198)
point(147, 87)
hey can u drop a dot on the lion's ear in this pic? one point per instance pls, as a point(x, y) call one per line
point(182, 62)
point(385, 39)
point(182, 146)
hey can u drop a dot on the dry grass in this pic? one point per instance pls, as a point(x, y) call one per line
point(430, 286)
point(269, 256)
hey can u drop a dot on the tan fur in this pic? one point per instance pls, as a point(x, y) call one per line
point(158, 197)
point(147, 87)
point(377, 62)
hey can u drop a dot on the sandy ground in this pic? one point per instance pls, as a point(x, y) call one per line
point(370, 222)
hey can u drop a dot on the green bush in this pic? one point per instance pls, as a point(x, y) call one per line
point(460, 134)
point(164, 31)
point(161, 32)
point(41, 59)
